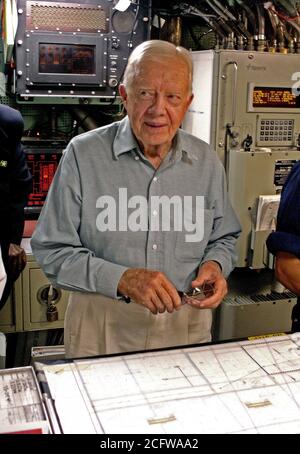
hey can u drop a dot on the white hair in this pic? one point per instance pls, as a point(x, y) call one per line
point(157, 50)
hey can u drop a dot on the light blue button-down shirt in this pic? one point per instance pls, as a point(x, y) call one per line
point(68, 242)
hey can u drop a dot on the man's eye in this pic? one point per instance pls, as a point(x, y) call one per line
point(174, 98)
point(145, 94)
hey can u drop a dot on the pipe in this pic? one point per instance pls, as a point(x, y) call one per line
point(222, 20)
point(242, 22)
point(289, 38)
point(209, 18)
point(175, 27)
point(280, 35)
point(271, 14)
point(261, 28)
point(261, 21)
point(289, 8)
point(226, 27)
point(277, 26)
point(84, 119)
point(281, 30)
point(243, 29)
point(297, 28)
point(250, 14)
point(217, 10)
point(218, 29)
point(273, 44)
point(226, 11)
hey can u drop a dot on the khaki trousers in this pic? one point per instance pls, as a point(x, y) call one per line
point(97, 325)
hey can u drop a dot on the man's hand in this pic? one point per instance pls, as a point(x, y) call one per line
point(17, 260)
point(151, 289)
point(210, 272)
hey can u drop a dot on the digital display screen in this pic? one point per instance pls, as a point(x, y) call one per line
point(66, 58)
point(42, 166)
point(274, 97)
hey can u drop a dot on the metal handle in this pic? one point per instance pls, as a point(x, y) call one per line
point(234, 91)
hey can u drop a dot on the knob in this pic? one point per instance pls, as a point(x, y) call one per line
point(115, 44)
point(112, 82)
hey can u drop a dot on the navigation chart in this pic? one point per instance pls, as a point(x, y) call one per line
point(237, 387)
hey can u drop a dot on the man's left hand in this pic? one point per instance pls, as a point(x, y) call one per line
point(211, 273)
point(17, 260)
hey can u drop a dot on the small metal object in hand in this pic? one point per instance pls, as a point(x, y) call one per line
point(198, 293)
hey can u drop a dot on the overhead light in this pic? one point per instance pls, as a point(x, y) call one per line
point(122, 5)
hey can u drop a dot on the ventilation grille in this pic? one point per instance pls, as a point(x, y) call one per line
point(257, 299)
point(69, 17)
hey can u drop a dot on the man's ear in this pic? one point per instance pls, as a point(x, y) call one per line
point(123, 93)
point(190, 99)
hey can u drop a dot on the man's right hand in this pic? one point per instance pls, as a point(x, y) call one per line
point(151, 289)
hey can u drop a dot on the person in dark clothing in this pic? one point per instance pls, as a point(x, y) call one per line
point(15, 186)
point(285, 242)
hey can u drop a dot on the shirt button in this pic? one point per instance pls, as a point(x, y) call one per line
point(154, 247)
point(155, 179)
point(137, 158)
point(154, 212)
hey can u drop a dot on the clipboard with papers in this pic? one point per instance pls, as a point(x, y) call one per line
point(267, 209)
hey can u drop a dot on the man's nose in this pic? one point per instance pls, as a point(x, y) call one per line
point(158, 105)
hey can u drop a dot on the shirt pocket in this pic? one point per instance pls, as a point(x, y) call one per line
point(190, 245)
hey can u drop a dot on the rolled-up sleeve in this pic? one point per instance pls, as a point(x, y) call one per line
point(284, 241)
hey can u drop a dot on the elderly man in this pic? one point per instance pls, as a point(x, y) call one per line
point(117, 224)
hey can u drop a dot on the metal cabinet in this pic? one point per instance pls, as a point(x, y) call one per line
point(11, 315)
point(26, 308)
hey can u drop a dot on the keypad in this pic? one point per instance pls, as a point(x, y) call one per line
point(276, 130)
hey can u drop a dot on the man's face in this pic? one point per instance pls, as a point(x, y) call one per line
point(157, 100)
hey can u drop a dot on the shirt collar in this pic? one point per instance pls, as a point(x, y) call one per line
point(125, 142)
point(184, 147)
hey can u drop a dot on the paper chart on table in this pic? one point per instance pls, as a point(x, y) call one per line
point(236, 387)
